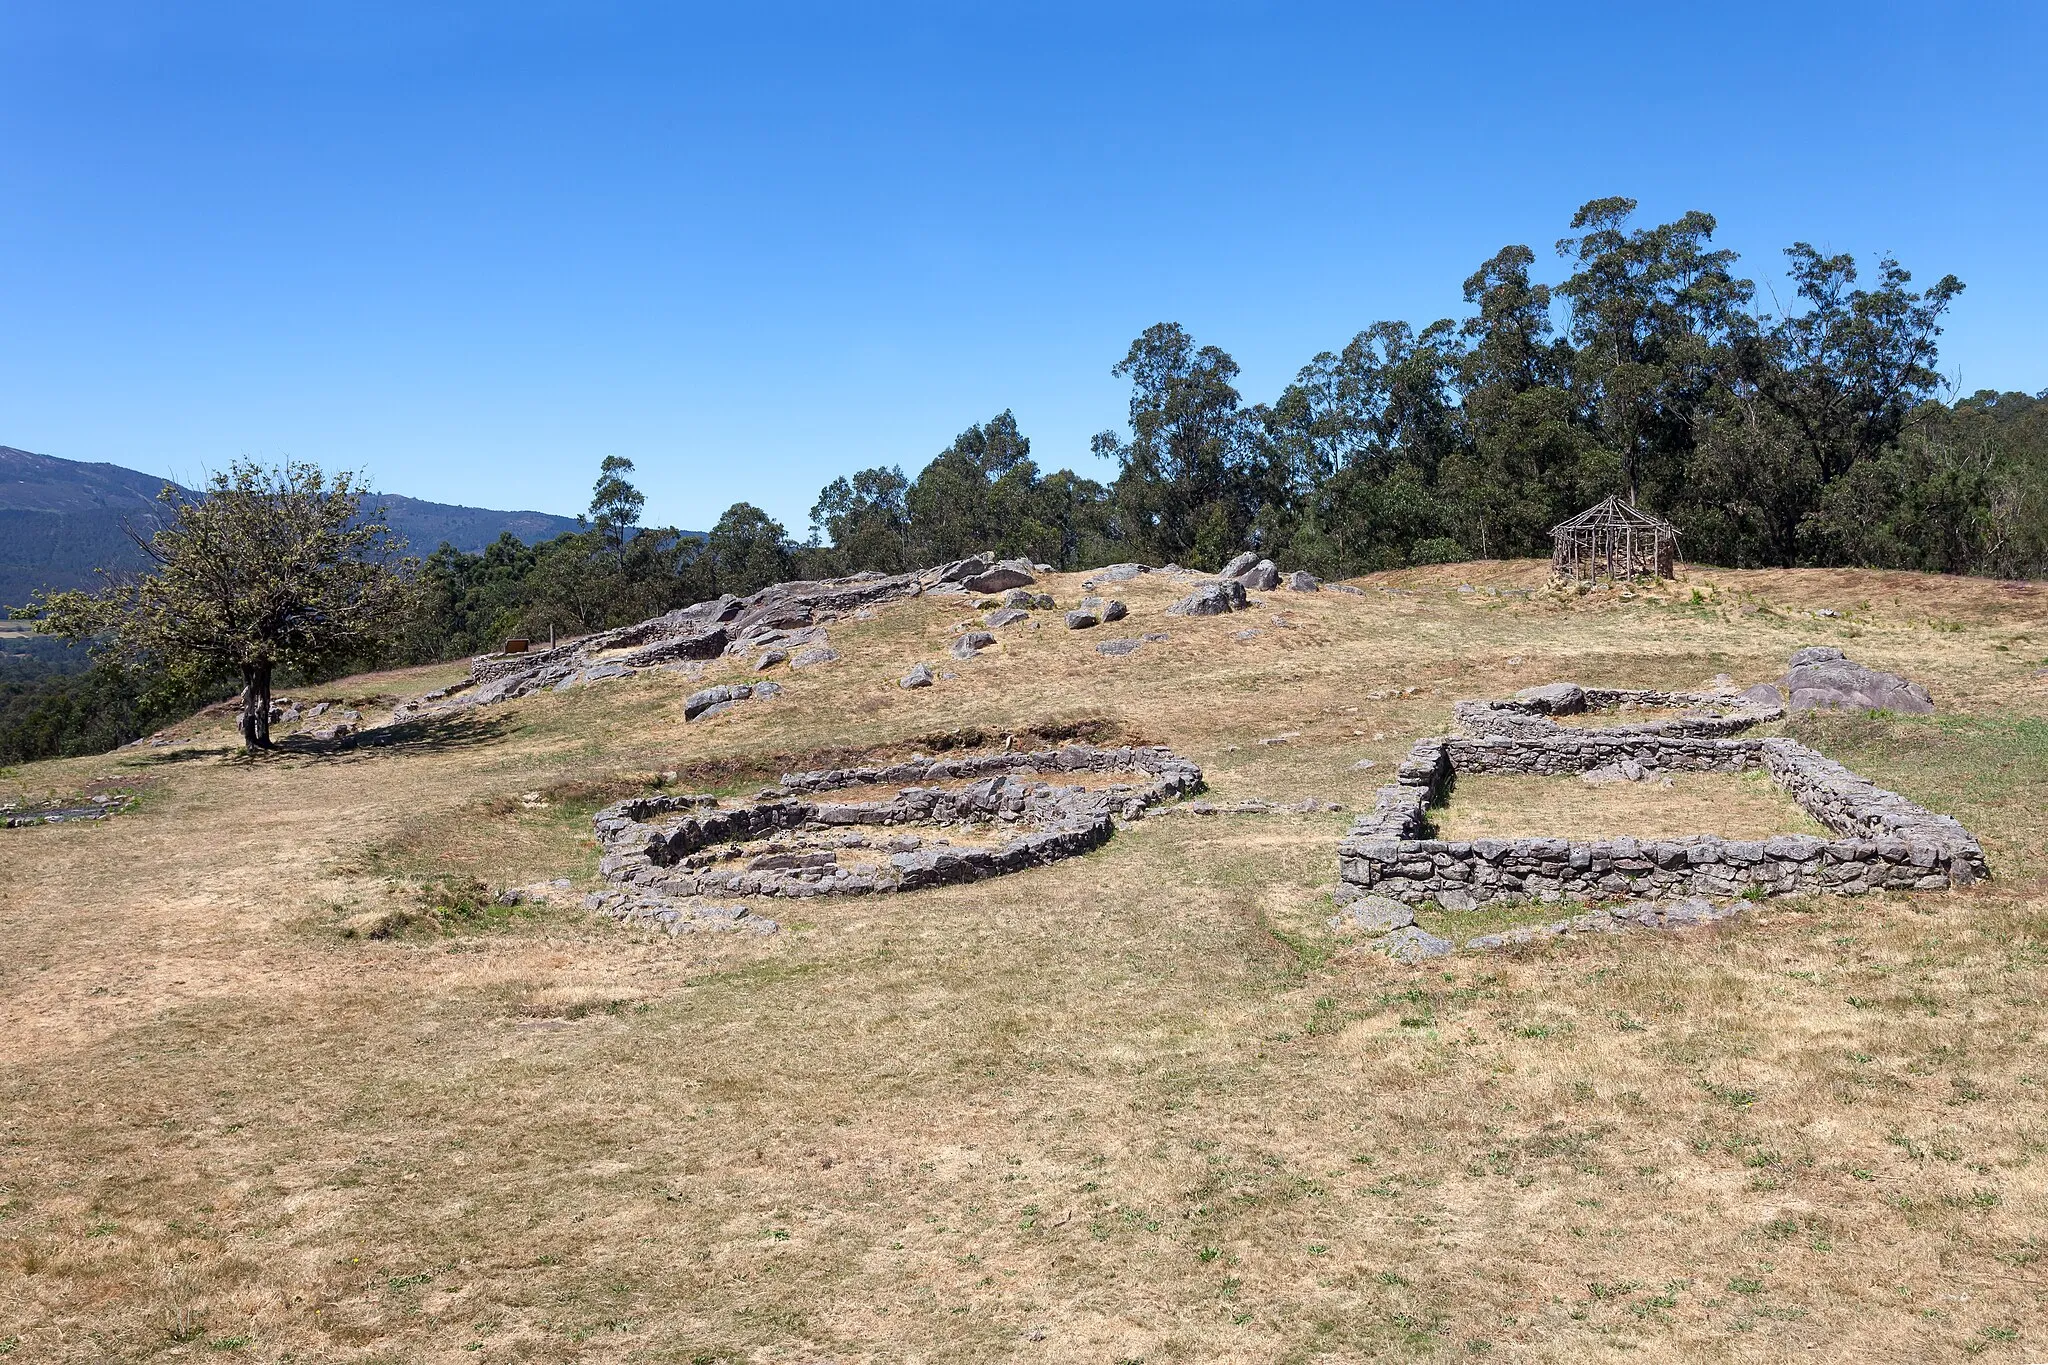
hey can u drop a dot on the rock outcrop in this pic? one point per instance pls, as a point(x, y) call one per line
point(967, 645)
point(1211, 599)
point(1823, 678)
point(1260, 577)
point(787, 618)
point(716, 701)
point(1094, 611)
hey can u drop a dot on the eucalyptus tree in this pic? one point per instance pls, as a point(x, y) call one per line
point(1517, 468)
point(1849, 371)
point(615, 504)
point(1655, 316)
point(865, 519)
point(1186, 489)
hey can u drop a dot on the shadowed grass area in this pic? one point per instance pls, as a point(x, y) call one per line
point(1141, 1105)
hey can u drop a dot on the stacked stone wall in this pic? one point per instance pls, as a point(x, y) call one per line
point(657, 844)
point(1717, 715)
point(1883, 841)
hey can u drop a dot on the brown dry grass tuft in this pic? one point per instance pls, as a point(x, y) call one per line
point(1141, 1105)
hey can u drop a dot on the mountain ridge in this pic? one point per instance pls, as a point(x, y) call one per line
point(62, 519)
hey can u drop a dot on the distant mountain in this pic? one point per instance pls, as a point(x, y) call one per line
point(61, 519)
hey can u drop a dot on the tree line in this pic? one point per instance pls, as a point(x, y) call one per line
point(1813, 435)
point(1817, 435)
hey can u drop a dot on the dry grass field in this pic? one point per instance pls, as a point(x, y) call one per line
point(1734, 806)
point(1140, 1106)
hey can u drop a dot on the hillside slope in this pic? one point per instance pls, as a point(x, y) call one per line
point(1141, 1104)
point(61, 519)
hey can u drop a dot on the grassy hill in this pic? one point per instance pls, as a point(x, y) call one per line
point(1141, 1105)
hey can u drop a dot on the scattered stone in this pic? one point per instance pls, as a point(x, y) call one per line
point(1762, 694)
point(1116, 573)
point(1153, 637)
point(1678, 914)
point(1249, 633)
point(961, 569)
point(716, 701)
point(1082, 619)
point(1009, 573)
point(820, 654)
point(1118, 648)
point(1007, 616)
point(1028, 601)
point(1240, 563)
point(1623, 770)
point(1365, 763)
point(13, 816)
point(769, 658)
point(920, 675)
point(1822, 678)
point(1375, 915)
point(1211, 599)
point(1345, 588)
point(1283, 737)
point(1301, 580)
point(1411, 945)
point(1554, 699)
point(971, 644)
point(1260, 577)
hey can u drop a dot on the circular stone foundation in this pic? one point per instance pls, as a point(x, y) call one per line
point(948, 820)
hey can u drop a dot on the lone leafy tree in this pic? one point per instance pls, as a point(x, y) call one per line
point(270, 568)
point(615, 504)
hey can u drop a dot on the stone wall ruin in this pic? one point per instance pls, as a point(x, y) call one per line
point(662, 852)
point(1881, 839)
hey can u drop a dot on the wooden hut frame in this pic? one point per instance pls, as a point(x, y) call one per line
point(1613, 540)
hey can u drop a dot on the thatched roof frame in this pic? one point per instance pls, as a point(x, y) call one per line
point(1613, 540)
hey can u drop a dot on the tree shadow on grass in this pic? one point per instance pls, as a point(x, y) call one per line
point(427, 734)
point(188, 754)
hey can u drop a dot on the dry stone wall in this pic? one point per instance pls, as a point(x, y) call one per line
point(1706, 715)
point(1882, 840)
point(664, 848)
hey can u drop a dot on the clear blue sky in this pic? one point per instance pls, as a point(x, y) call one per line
point(475, 249)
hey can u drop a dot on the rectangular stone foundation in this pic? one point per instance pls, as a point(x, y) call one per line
point(1882, 839)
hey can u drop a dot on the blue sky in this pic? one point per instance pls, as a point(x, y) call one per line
point(475, 249)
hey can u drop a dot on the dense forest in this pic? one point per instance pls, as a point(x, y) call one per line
point(1818, 435)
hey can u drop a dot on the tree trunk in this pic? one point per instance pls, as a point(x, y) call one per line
point(256, 705)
